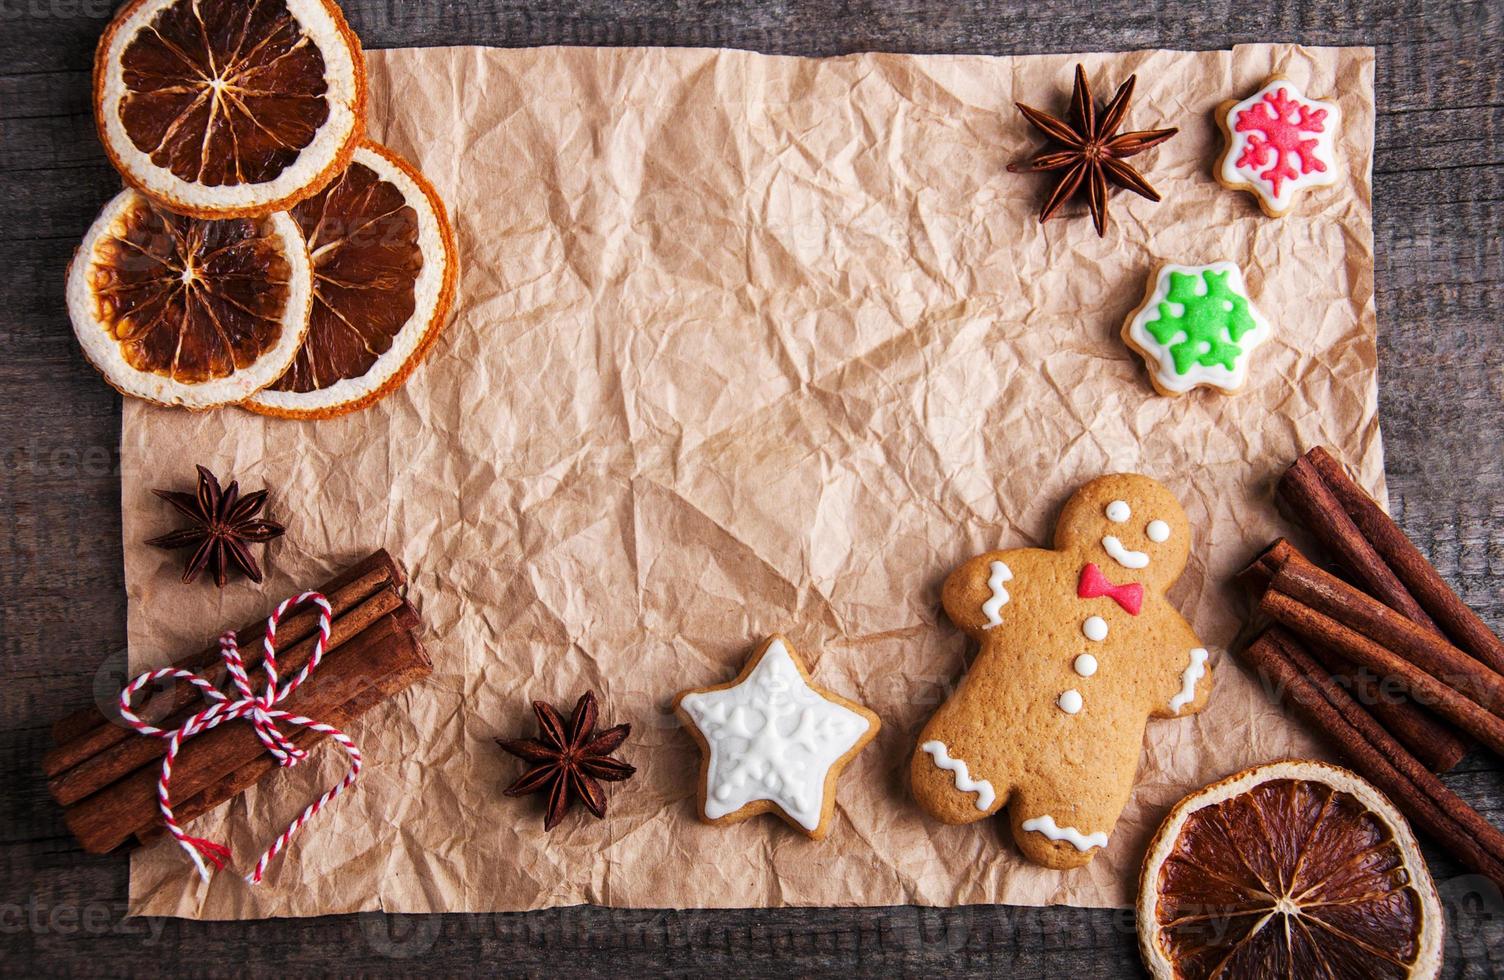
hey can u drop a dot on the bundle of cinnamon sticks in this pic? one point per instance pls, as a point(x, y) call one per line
point(104, 774)
point(1386, 661)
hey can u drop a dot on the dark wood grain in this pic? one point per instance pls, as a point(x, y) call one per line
point(1438, 208)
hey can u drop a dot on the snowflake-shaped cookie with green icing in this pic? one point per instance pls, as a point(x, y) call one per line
point(1197, 327)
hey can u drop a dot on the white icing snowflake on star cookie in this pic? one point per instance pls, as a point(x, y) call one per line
point(1278, 143)
point(772, 741)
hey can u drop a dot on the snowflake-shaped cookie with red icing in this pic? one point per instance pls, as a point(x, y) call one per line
point(1278, 143)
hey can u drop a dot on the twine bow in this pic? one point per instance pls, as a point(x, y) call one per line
point(263, 714)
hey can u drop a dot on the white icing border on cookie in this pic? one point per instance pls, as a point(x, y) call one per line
point(1158, 356)
point(1082, 842)
point(985, 793)
point(1248, 177)
point(1000, 573)
point(1193, 672)
point(772, 737)
point(1126, 557)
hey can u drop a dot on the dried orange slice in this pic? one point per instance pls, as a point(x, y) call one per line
point(229, 108)
point(183, 311)
point(383, 278)
point(1292, 869)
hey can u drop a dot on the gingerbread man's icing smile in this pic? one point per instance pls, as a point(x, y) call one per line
point(1079, 649)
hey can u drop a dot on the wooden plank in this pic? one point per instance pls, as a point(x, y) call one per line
point(40, 95)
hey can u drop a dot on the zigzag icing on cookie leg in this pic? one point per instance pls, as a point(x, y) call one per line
point(985, 793)
point(1000, 573)
point(1193, 672)
point(1082, 842)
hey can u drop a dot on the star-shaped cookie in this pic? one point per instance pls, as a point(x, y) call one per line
point(772, 741)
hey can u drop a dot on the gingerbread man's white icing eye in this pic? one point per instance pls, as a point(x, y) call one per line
point(1158, 532)
point(1118, 511)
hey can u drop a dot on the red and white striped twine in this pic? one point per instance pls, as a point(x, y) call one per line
point(263, 715)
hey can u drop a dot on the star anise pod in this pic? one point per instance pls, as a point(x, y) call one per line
point(565, 761)
point(1093, 150)
point(224, 522)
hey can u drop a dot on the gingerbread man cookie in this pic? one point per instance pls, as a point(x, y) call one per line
point(1079, 649)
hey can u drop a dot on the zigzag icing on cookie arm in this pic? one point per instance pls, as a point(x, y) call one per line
point(985, 793)
point(1193, 672)
point(1082, 842)
point(1000, 573)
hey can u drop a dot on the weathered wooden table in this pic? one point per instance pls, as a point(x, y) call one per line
point(1438, 210)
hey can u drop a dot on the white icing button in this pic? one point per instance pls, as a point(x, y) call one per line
point(1158, 532)
point(1118, 511)
point(1095, 628)
point(1085, 665)
point(1069, 701)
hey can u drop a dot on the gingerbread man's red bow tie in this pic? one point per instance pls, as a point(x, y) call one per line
point(1094, 584)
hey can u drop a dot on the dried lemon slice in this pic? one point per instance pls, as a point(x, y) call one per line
point(182, 311)
point(1292, 869)
point(224, 108)
point(383, 278)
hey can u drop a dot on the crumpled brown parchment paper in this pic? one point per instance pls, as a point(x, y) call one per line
point(746, 344)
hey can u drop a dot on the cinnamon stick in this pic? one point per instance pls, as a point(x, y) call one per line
point(1353, 610)
point(89, 731)
point(1305, 491)
point(125, 757)
point(1419, 576)
point(1426, 737)
point(1368, 748)
point(264, 764)
point(1421, 686)
point(109, 817)
point(1257, 575)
